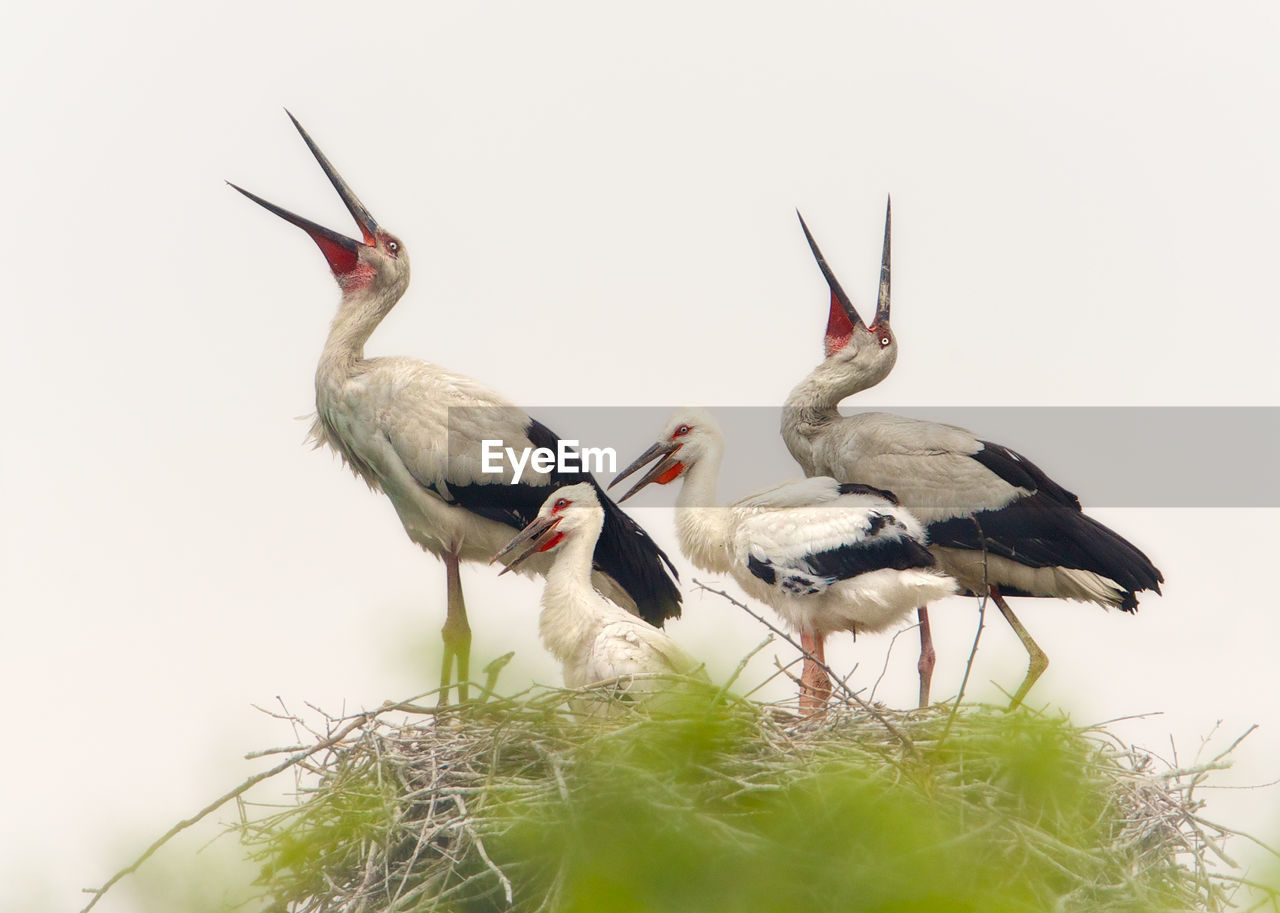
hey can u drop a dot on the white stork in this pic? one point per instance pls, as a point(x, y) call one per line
point(414, 431)
point(825, 556)
point(594, 640)
point(995, 521)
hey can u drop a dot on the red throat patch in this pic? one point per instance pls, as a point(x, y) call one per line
point(358, 278)
point(839, 328)
point(551, 543)
point(341, 260)
point(671, 474)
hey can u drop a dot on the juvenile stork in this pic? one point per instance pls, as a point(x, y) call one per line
point(995, 521)
point(414, 431)
point(594, 640)
point(825, 556)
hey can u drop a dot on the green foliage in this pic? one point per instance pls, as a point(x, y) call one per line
point(357, 806)
point(731, 806)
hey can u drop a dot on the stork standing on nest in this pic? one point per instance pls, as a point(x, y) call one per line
point(594, 640)
point(825, 556)
point(996, 522)
point(415, 431)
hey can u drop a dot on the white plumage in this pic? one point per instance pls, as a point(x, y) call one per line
point(594, 640)
point(826, 557)
point(415, 432)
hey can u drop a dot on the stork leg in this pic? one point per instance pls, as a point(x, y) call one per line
point(456, 633)
point(927, 656)
point(1039, 661)
point(815, 684)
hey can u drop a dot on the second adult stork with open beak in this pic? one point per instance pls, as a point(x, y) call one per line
point(997, 523)
point(825, 556)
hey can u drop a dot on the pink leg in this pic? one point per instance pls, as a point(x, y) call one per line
point(815, 684)
point(927, 656)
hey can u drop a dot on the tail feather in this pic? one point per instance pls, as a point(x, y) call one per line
point(1122, 561)
point(1038, 531)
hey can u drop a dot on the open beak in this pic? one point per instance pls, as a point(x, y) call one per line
point(338, 249)
point(844, 316)
point(665, 471)
point(539, 535)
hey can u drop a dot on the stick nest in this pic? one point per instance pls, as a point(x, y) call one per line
point(713, 802)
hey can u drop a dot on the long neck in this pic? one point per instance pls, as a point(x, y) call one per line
point(810, 408)
point(571, 607)
point(362, 308)
point(815, 398)
point(358, 316)
point(812, 405)
point(571, 561)
point(702, 526)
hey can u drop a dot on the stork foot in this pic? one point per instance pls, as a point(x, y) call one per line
point(1035, 668)
point(1038, 660)
point(456, 634)
point(927, 657)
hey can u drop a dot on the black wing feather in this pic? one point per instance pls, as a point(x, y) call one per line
point(1018, 471)
point(624, 552)
point(818, 570)
point(847, 561)
point(1040, 531)
point(856, 488)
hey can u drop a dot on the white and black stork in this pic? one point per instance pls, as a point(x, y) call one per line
point(414, 431)
point(595, 641)
point(825, 556)
point(996, 522)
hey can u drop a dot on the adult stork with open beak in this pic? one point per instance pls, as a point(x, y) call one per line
point(996, 522)
point(416, 432)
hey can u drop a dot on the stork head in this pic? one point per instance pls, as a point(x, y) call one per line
point(873, 348)
point(689, 435)
point(569, 514)
point(377, 260)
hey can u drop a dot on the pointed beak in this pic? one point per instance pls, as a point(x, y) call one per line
point(882, 301)
point(842, 308)
point(357, 209)
point(537, 535)
point(665, 471)
point(339, 250)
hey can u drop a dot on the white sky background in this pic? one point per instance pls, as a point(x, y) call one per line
point(598, 205)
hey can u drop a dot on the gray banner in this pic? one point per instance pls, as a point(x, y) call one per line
point(1109, 456)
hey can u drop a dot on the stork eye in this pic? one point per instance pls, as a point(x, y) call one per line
point(393, 246)
point(884, 340)
point(561, 504)
point(682, 431)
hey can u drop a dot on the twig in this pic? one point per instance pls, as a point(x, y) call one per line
point(887, 654)
point(973, 651)
point(742, 667)
point(484, 854)
point(849, 692)
point(782, 670)
point(213, 806)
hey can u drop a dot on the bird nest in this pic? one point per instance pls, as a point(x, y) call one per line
point(712, 802)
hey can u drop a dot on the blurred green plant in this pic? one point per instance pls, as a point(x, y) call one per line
point(715, 803)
